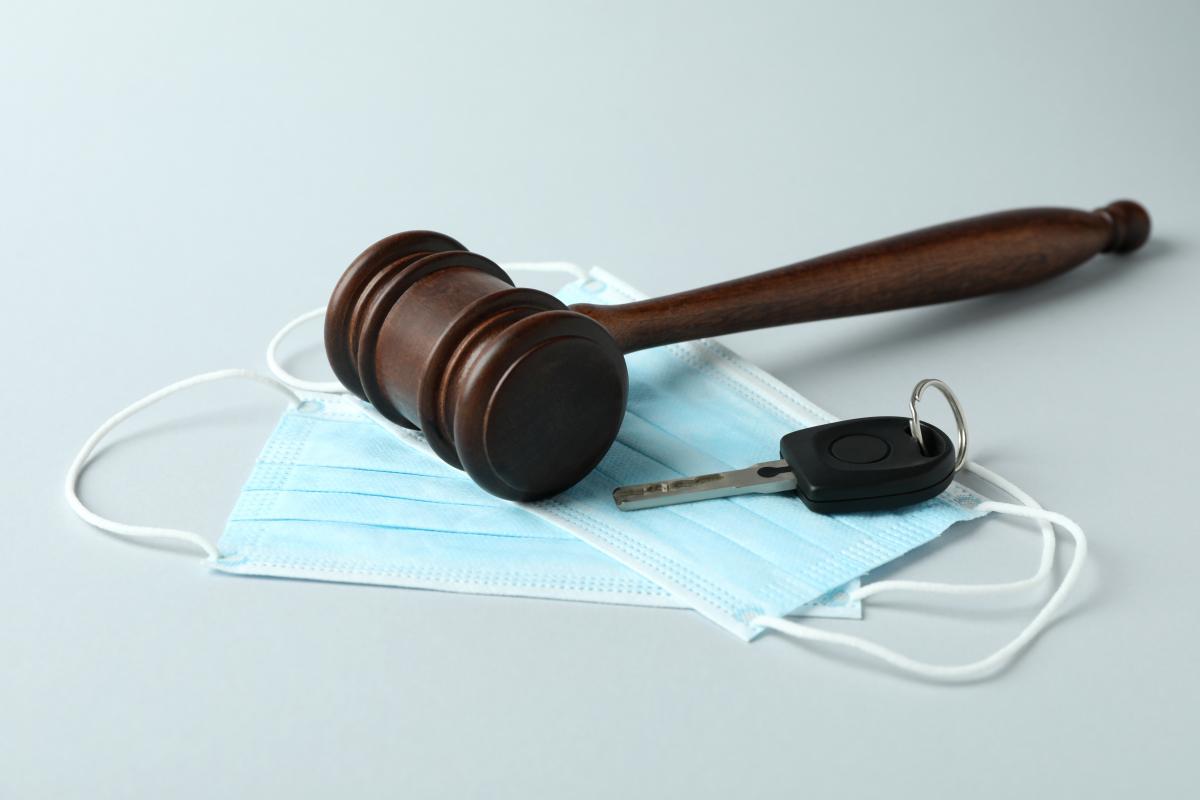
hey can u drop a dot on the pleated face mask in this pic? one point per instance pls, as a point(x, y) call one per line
point(338, 493)
point(336, 496)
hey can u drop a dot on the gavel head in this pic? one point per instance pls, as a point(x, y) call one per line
point(506, 383)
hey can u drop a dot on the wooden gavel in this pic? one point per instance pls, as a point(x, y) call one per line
point(527, 394)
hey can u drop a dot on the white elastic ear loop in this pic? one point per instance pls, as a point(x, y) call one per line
point(974, 669)
point(282, 374)
point(1049, 543)
point(85, 455)
point(291, 380)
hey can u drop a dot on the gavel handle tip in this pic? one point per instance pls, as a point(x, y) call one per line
point(953, 261)
point(1130, 225)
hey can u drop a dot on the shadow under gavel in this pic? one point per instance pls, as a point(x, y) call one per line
point(526, 394)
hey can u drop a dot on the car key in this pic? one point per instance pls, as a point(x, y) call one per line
point(867, 464)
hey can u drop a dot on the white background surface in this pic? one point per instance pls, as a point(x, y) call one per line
point(176, 181)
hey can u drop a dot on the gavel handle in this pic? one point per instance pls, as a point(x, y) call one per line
point(953, 261)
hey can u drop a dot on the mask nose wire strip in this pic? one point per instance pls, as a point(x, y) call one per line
point(89, 447)
point(1049, 543)
point(974, 669)
point(288, 378)
point(574, 270)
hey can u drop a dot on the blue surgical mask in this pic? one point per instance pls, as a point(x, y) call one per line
point(338, 493)
point(696, 408)
point(336, 496)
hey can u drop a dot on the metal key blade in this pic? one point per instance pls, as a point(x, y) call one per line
point(765, 478)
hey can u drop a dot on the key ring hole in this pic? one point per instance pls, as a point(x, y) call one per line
point(914, 425)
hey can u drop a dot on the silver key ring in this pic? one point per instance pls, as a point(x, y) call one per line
point(915, 424)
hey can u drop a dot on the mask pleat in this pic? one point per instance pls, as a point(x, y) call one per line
point(552, 567)
point(340, 495)
point(695, 408)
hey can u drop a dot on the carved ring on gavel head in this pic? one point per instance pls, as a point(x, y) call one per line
point(527, 394)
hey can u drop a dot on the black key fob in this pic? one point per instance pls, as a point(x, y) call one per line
point(868, 464)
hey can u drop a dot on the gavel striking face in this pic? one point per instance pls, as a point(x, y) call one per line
point(526, 394)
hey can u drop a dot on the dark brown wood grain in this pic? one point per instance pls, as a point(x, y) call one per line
point(954, 261)
point(527, 395)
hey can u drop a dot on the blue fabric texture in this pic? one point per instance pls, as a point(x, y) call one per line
point(696, 408)
point(335, 496)
point(340, 494)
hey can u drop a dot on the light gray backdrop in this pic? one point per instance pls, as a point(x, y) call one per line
point(177, 180)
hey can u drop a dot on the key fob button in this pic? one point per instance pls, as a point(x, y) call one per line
point(867, 464)
point(860, 448)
